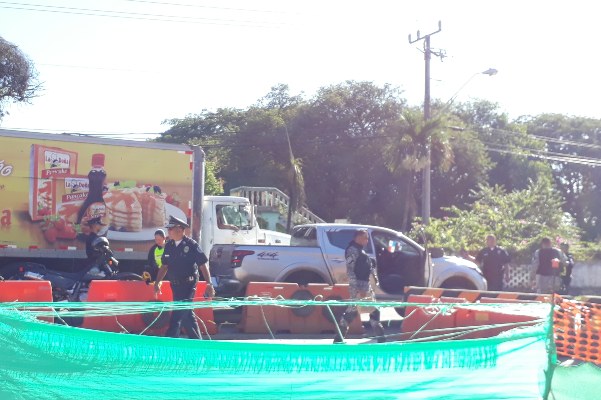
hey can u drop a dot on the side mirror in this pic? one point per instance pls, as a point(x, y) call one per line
point(436, 252)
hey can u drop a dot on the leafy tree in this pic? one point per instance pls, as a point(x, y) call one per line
point(579, 183)
point(505, 143)
point(407, 155)
point(341, 135)
point(18, 78)
point(213, 185)
point(519, 219)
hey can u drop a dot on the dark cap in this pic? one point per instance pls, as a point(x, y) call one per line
point(159, 232)
point(95, 221)
point(176, 222)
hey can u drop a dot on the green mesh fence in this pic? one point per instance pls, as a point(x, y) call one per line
point(40, 360)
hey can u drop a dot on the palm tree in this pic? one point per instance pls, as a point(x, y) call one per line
point(407, 155)
point(297, 184)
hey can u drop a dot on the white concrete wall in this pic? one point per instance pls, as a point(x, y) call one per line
point(587, 274)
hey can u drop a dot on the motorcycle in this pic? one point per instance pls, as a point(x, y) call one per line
point(73, 286)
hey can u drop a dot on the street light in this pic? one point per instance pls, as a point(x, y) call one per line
point(426, 180)
point(489, 72)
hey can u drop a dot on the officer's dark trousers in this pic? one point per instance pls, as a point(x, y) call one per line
point(495, 280)
point(185, 317)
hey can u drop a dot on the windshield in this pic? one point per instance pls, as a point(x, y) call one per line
point(233, 216)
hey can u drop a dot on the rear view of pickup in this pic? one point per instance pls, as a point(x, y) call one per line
point(316, 255)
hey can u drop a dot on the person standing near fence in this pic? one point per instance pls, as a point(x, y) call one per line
point(566, 275)
point(493, 260)
point(359, 269)
point(547, 264)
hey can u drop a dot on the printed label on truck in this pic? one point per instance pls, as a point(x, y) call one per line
point(268, 255)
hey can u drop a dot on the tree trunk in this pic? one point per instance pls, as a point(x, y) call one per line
point(408, 203)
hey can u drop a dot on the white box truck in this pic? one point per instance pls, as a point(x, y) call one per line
point(51, 184)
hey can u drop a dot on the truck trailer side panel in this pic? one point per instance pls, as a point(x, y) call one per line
point(45, 180)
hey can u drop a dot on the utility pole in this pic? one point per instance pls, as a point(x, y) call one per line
point(426, 172)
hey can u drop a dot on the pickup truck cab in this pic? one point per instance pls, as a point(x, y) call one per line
point(316, 255)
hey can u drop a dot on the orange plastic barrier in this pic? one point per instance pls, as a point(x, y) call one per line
point(263, 319)
point(493, 300)
point(474, 295)
point(134, 291)
point(295, 319)
point(429, 321)
point(577, 328)
point(27, 291)
point(322, 321)
point(470, 317)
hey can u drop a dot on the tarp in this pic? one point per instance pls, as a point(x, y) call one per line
point(580, 382)
point(40, 360)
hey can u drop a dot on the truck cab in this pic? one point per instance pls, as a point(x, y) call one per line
point(232, 220)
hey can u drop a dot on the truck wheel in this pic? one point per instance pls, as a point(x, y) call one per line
point(303, 278)
point(458, 283)
point(302, 311)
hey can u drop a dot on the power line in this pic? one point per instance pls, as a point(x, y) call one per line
point(547, 139)
point(219, 142)
point(550, 158)
point(136, 16)
point(203, 6)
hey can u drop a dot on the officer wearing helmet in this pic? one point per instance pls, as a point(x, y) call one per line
point(182, 259)
point(95, 225)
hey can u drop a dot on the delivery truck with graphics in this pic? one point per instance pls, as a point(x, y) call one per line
point(51, 184)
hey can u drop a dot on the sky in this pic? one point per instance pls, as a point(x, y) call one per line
point(147, 61)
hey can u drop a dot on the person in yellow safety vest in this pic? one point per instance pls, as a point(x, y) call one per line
point(156, 252)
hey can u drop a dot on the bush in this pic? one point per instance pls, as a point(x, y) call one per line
point(519, 220)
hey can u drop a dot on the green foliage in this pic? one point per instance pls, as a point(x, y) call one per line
point(356, 150)
point(213, 185)
point(519, 220)
point(580, 184)
point(18, 79)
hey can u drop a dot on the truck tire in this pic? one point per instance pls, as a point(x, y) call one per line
point(458, 283)
point(302, 311)
point(303, 278)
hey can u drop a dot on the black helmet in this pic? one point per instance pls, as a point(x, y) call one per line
point(100, 242)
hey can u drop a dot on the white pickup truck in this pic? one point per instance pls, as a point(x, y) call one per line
point(316, 255)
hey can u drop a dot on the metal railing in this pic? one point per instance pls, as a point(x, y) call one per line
point(274, 198)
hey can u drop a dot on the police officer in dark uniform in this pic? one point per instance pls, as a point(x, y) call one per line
point(182, 260)
point(96, 226)
point(493, 259)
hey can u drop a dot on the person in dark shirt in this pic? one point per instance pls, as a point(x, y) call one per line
point(547, 264)
point(566, 275)
point(95, 225)
point(359, 269)
point(182, 260)
point(493, 260)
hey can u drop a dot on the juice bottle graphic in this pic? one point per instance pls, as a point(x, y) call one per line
point(93, 206)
